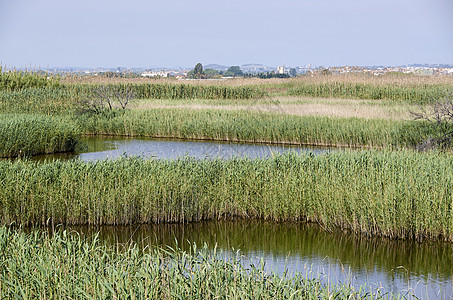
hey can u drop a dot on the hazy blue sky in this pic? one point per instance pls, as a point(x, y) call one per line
point(139, 33)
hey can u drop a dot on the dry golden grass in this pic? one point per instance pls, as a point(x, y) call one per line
point(389, 79)
point(276, 88)
point(346, 108)
point(221, 82)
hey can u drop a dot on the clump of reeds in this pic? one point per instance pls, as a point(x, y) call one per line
point(26, 135)
point(49, 100)
point(394, 194)
point(13, 80)
point(64, 266)
point(64, 99)
point(227, 125)
point(414, 94)
point(182, 91)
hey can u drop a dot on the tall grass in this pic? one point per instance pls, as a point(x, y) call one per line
point(49, 101)
point(25, 135)
point(54, 99)
point(65, 266)
point(185, 91)
point(13, 80)
point(176, 91)
point(414, 94)
point(256, 127)
point(64, 98)
point(392, 194)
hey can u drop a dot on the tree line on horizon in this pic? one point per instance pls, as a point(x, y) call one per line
point(234, 71)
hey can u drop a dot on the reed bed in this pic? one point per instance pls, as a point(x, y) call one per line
point(64, 266)
point(64, 98)
point(389, 79)
point(26, 135)
point(176, 91)
point(49, 101)
point(13, 80)
point(386, 79)
point(393, 194)
point(414, 94)
point(225, 125)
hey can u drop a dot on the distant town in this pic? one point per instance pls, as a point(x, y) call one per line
point(251, 70)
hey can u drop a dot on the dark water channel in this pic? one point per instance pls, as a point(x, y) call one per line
point(416, 269)
point(424, 270)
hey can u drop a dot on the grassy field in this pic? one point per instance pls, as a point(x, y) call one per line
point(298, 106)
point(65, 266)
point(393, 194)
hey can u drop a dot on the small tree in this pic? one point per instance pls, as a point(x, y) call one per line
point(440, 117)
point(293, 72)
point(105, 97)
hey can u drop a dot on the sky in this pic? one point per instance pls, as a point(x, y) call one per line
point(181, 33)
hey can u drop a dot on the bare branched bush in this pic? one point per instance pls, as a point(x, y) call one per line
point(105, 97)
point(439, 115)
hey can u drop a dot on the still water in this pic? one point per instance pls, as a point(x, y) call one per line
point(416, 269)
point(97, 148)
point(423, 270)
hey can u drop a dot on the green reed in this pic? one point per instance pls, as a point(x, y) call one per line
point(394, 194)
point(187, 91)
point(13, 80)
point(415, 93)
point(227, 125)
point(63, 99)
point(175, 91)
point(25, 135)
point(48, 100)
point(65, 266)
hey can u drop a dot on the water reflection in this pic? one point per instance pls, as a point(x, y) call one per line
point(423, 269)
point(104, 147)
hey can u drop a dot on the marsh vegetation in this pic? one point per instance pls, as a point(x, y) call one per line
point(389, 190)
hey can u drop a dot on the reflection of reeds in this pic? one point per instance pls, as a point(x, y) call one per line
point(24, 135)
point(66, 266)
point(398, 195)
point(280, 239)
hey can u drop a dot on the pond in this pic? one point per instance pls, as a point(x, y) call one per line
point(410, 268)
point(109, 148)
